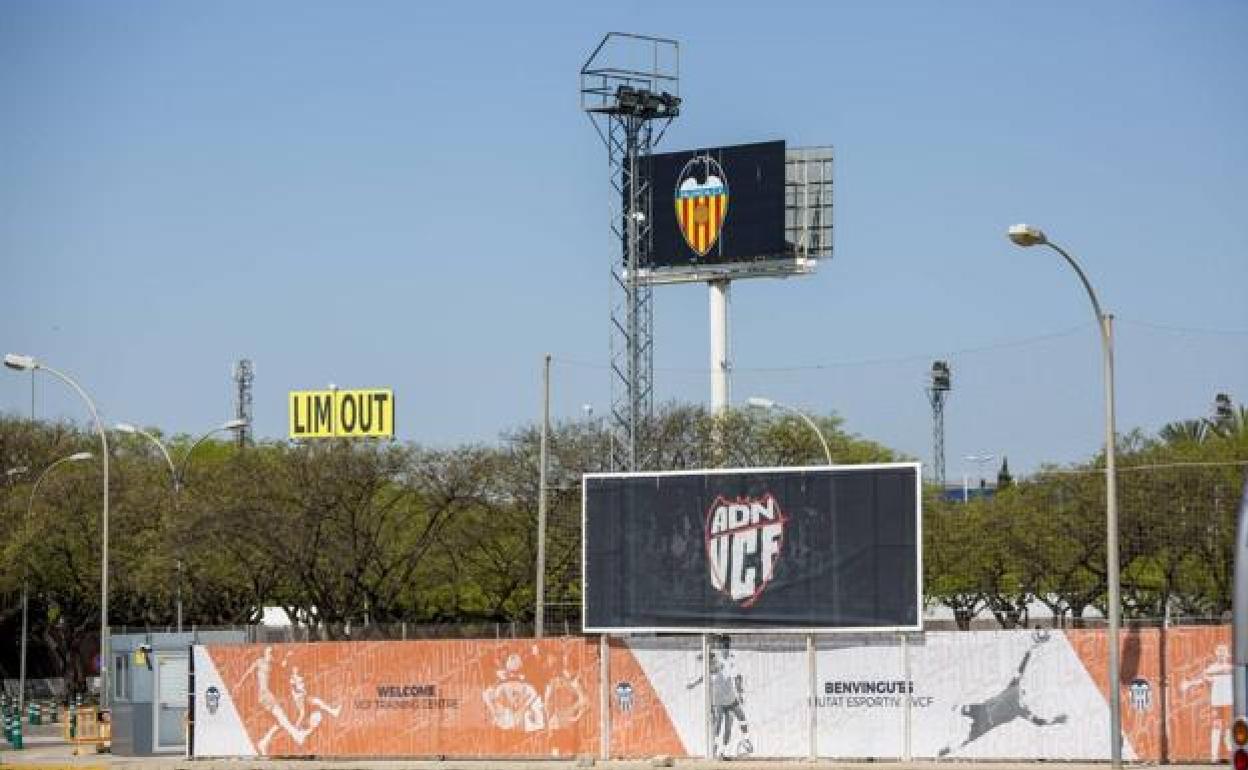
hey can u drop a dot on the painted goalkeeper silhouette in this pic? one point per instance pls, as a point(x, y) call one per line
point(1003, 708)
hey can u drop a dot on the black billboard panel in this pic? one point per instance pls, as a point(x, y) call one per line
point(717, 206)
point(782, 549)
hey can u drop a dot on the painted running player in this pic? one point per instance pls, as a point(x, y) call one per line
point(1003, 708)
point(727, 701)
point(299, 694)
point(262, 667)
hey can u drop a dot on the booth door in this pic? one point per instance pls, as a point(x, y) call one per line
point(170, 702)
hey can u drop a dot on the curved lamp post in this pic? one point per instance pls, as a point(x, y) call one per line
point(1027, 235)
point(186, 459)
point(30, 507)
point(23, 363)
point(9, 475)
point(767, 403)
point(178, 473)
point(125, 427)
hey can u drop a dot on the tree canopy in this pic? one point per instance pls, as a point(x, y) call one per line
point(371, 531)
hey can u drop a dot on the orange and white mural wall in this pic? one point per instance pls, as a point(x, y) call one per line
point(461, 698)
point(966, 695)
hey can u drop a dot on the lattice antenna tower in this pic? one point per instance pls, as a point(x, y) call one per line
point(630, 89)
point(1223, 409)
point(244, 374)
point(937, 391)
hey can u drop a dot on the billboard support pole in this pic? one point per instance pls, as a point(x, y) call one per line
point(719, 344)
point(908, 694)
point(604, 696)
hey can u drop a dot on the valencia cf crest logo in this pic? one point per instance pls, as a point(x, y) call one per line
point(701, 202)
point(744, 539)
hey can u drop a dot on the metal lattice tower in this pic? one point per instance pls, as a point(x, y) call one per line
point(1223, 410)
point(629, 84)
point(244, 373)
point(937, 391)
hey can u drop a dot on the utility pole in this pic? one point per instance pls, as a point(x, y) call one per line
point(543, 461)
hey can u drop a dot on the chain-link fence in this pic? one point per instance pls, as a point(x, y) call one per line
point(1034, 551)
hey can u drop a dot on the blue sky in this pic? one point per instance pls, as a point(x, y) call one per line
point(402, 195)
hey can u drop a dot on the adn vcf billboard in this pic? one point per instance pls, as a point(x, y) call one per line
point(782, 549)
point(718, 206)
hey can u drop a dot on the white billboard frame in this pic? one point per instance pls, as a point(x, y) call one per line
point(778, 631)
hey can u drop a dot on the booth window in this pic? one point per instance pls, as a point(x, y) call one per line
point(121, 678)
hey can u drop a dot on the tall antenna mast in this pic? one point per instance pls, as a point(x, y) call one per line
point(937, 391)
point(629, 84)
point(244, 373)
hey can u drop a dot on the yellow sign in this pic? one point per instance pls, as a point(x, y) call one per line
point(341, 413)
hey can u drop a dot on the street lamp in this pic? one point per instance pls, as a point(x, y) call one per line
point(30, 507)
point(979, 461)
point(232, 425)
point(125, 427)
point(767, 403)
point(179, 473)
point(23, 363)
point(1027, 235)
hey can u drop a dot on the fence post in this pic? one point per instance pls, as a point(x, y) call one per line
point(604, 697)
point(812, 703)
point(706, 697)
point(1163, 668)
point(908, 694)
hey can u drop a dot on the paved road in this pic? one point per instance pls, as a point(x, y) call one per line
point(43, 757)
point(48, 753)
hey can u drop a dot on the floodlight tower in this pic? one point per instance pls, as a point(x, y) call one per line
point(630, 89)
point(244, 373)
point(1223, 410)
point(937, 391)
